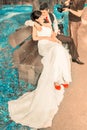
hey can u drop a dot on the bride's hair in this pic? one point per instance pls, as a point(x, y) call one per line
point(35, 15)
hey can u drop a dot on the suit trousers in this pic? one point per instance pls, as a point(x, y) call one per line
point(74, 26)
point(71, 46)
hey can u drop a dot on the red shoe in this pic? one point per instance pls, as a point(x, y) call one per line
point(65, 85)
point(58, 87)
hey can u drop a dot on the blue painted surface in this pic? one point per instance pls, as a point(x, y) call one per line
point(62, 18)
point(85, 5)
point(11, 18)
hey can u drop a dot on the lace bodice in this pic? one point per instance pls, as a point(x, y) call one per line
point(46, 31)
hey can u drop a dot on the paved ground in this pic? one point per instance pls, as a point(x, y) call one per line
point(72, 114)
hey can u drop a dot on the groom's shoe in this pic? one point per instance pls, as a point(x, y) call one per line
point(77, 61)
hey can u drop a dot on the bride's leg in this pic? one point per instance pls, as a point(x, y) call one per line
point(63, 67)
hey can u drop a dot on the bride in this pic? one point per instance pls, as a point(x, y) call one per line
point(36, 109)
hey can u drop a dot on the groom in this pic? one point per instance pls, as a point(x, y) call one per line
point(49, 17)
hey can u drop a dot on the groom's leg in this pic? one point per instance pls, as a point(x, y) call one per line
point(71, 46)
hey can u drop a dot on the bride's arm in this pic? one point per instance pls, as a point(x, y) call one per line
point(44, 24)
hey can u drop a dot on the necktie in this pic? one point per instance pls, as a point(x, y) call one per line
point(47, 20)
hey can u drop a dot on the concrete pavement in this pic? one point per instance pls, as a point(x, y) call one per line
point(72, 114)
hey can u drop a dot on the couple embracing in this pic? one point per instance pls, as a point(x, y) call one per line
point(36, 109)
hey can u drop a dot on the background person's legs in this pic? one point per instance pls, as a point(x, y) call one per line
point(73, 27)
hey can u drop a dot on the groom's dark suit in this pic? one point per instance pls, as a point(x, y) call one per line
point(66, 40)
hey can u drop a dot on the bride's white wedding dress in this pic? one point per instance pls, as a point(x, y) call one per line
point(37, 108)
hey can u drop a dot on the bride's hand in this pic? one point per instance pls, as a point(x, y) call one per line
point(53, 37)
point(59, 41)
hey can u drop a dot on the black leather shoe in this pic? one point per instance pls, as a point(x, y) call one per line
point(77, 61)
